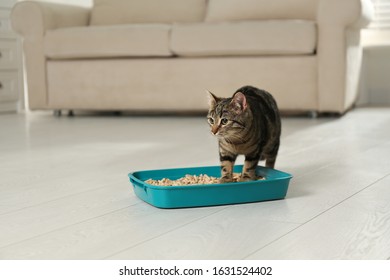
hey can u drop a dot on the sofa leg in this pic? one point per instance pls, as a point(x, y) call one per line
point(57, 113)
point(70, 113)
point(313, 114)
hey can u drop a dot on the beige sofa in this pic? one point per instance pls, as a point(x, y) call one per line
point(162, 55)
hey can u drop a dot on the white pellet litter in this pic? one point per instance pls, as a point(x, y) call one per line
point(201, 179)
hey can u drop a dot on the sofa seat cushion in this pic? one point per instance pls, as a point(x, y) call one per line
point(269, 37)
point(108, 41)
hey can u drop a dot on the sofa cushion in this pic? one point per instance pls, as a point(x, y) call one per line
point(228, 10)
point(276, 37)
point(108, 41)
point(108, 12)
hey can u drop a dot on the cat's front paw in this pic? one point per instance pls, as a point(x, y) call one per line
point(246, 178)
point(225, 180)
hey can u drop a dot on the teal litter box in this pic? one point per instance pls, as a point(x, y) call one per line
point(273, 187)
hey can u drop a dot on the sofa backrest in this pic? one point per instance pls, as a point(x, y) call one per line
point(109, 12)
point(228, 10)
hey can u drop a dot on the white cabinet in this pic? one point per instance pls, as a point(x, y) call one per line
point(11, 73)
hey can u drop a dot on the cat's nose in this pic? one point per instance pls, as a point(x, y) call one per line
point(214, 129)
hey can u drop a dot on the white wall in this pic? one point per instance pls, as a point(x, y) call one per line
point(376, 84)
point(375, 78)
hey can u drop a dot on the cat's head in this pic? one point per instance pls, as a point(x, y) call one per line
point(228, 117)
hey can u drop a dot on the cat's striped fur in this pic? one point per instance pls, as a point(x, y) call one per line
point(248, 123)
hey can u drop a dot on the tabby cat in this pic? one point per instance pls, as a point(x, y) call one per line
point(248, 123)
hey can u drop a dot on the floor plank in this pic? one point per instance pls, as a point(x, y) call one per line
point(49, 216)
point(231, 233)
point(64, 191)
point(356, 228)
point(105, 235)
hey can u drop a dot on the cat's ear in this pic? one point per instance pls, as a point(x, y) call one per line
point(239, 102)
point(213, 100)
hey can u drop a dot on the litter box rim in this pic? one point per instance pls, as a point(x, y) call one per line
point(274, 186)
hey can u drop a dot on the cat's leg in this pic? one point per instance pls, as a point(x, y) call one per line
point(227, 163)
point(249, 169)
point(271, 155)
point(270, 162)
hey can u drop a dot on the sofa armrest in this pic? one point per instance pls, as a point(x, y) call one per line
point(339, 52)
point(34, 18)
point(345, 13)
point(31, 20)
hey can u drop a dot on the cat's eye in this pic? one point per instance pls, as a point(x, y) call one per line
point(224, 121)
point(211, 120)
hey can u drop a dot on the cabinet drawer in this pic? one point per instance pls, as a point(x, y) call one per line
point(8, 54)
point(8, 3)
point(9, 86)
point(5, 22)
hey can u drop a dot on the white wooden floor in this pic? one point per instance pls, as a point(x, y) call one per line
point(64, 191)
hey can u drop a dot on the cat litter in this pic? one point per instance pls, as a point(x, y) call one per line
point(274, 186)
point(202, 179)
